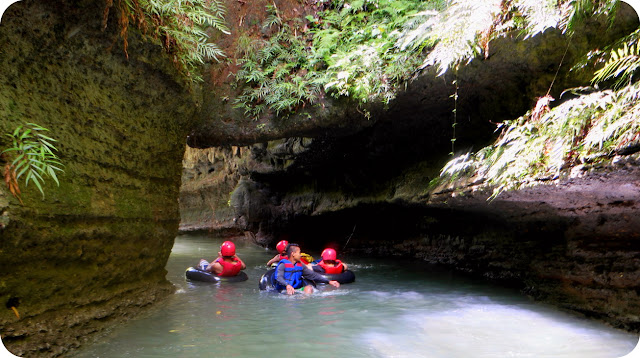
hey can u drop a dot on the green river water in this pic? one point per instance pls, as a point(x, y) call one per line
point(392, 310)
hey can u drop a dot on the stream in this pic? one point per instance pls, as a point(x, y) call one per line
point(394, 309)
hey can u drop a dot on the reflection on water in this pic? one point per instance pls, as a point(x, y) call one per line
point(392, 310)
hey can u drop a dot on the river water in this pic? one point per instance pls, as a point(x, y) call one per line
point(392, 310)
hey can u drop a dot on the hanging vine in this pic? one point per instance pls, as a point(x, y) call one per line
point(454, 120)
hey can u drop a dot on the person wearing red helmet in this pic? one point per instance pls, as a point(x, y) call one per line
point(228, 263)
point(282, 248)
point(329, 263)
point(292, 275)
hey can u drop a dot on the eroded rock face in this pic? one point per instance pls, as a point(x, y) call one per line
point(574, 243)
point(93, 251)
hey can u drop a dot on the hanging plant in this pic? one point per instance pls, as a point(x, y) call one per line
point(30, 155)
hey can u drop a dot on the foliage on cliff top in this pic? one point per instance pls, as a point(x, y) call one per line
point(541, 145)
point(346, 49)
point(180, 27)
point(464, 31)
point(367, 49)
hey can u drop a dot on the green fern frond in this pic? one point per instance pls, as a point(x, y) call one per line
point(622, 65)
point(539, 15)
point(32, 156)
point(575, 12)
point(528, 151)
point(185, 24)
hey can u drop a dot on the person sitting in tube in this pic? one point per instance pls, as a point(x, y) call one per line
point(292, 275)
point(281, 247)
point(329, 263)
point(227, 263)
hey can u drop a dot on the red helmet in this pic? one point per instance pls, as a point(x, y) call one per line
point(329, 254)
point(282, 245)
point(228, 248)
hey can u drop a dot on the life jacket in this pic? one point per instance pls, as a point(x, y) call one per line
point(280, 258)
point(229, 268)
point(338, 268)
point(292, 274)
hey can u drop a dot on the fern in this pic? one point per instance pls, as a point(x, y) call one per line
point(351, 50)
point(31, 155)
point(575, 12)
point(530, 150)
point(622, 65)
point(539, 15)
point(179, 25)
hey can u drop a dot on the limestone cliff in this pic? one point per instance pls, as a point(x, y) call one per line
point(92, 251)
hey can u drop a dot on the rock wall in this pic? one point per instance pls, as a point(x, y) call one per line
point(92, 252)
point(574, 244)
point(209, 177)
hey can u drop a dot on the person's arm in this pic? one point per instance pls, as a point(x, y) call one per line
point(310, 275)
point(313, 276)
point(280, 276)
point(274, 259)
point(317, 268)
point(241, 262)
point(345, 267)
point(215, 267)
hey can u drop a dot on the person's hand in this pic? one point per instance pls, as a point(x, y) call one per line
point(334, 283)
point(290, 290)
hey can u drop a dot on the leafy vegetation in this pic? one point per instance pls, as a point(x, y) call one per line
point(179, 26)
point(366, 49)
point(276, 71)
point(622, 64)
point(31, 154)
point(347, 49)
point(541, 145)
point(587, 129)
point(464, 30)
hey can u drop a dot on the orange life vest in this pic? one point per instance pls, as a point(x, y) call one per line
point(229, 268)
point(338, 268)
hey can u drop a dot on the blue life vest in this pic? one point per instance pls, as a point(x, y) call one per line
point(292, 274)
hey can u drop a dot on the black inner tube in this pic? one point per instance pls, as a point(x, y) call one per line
point(195, 274)
point(266, 281)
point(345, 277)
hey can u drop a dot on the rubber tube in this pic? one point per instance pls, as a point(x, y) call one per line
point(195, 274)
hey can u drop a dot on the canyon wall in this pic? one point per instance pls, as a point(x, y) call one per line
point(92, 251)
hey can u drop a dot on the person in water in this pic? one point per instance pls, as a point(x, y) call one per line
point(282, 249)
point(227, 264)
point(329, 263)
point(291, 274)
